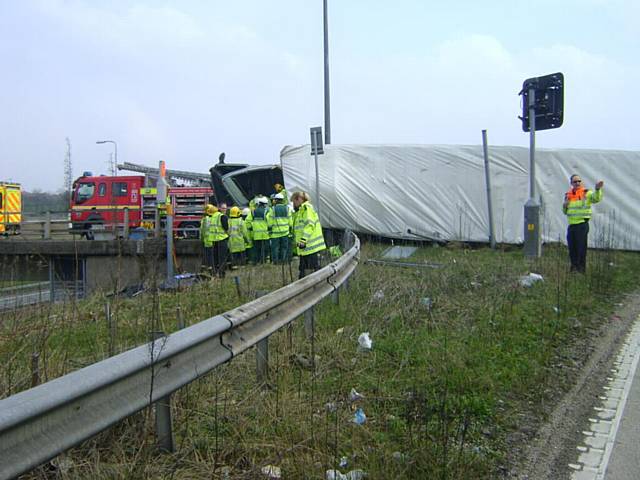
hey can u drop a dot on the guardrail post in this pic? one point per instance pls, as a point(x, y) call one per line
point(262, 351)
point(164, 430)
point(335, 296)
point(46, 235)
point(262, 360)
point(309, 323)
point(125, 230)
point(35, 369)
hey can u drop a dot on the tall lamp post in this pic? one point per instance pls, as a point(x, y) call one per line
point(115, 146)
point(327, 107)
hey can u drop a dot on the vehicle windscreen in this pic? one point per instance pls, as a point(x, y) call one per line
point(256, 181)
point(85, 191)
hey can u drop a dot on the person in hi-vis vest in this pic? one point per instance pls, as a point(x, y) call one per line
point(577, 207)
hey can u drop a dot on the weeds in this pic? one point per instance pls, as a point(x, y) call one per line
point(446, 381)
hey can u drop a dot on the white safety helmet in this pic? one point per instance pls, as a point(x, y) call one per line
point(262, 200)
point(278, 196)
point(246, 211)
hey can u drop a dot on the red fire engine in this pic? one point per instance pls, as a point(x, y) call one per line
point(98, 203)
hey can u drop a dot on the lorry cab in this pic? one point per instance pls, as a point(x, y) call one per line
point(241, 183)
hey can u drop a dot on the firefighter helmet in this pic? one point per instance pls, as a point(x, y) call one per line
point(210, 209)
point(234, 212)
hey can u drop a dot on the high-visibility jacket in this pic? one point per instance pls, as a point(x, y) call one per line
point(285, 194)
point(215, 228)
point(205, 231)
point(578, 209)
point(307, 229)
point(279, 221)
point(164, 208)
point(248, 241)
point(257, 224)
point(236, 235)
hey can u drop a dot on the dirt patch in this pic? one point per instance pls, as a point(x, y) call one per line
point(544, 450)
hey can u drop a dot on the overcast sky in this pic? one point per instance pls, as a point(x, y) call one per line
point(182, 81)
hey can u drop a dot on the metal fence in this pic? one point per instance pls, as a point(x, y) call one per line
point(52, 226)
point(41, 292)
point(40, 423)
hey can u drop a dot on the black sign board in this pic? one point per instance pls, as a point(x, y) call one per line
point(548, 93)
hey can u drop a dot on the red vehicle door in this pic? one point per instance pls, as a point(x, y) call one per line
point(125, 192)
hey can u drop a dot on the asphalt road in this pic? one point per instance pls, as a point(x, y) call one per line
point(23, 299)
point(624, 462)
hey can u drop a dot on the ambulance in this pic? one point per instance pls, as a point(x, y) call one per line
point(10, 208)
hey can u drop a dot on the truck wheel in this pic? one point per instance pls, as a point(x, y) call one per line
point(190, 230)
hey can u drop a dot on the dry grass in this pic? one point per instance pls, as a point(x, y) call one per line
point(443, 385)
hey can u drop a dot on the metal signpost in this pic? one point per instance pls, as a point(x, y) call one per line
point(532, 236)
point(542, 109)
point(317, 149)
point(487, 176)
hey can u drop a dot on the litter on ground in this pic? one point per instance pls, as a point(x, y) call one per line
point(359, 417)
point(364, 341)
point(529, 280)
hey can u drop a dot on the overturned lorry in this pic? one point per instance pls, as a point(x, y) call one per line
point(439, 191)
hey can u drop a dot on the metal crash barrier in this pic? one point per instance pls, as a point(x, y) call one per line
point(40, 423)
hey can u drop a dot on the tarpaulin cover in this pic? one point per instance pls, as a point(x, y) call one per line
point(440, 192)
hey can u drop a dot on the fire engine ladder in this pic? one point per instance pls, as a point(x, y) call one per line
point(174, 177)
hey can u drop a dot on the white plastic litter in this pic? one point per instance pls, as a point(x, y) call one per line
point(364, 341)
point(352, 475)
point(359, 417)
point(379, 295)
point(529, 280)
point(340, 331)
point(344, 461)
point(271, 471)
point(355, 475)
point(426, 302)
point(334, 475)
point(354, 396)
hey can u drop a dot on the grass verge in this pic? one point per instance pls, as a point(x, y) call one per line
point(461, 354)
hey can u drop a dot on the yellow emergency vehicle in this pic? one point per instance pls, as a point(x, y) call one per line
point(10, 208)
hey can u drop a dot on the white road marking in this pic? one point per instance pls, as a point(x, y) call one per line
point(598, 441)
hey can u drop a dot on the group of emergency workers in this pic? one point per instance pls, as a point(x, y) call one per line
point(268, 230)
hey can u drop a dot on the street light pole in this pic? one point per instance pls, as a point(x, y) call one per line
point(327, 109)
point(115, 147)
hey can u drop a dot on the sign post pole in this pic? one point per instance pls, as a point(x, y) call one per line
point(317, 149)
point(532, 237)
